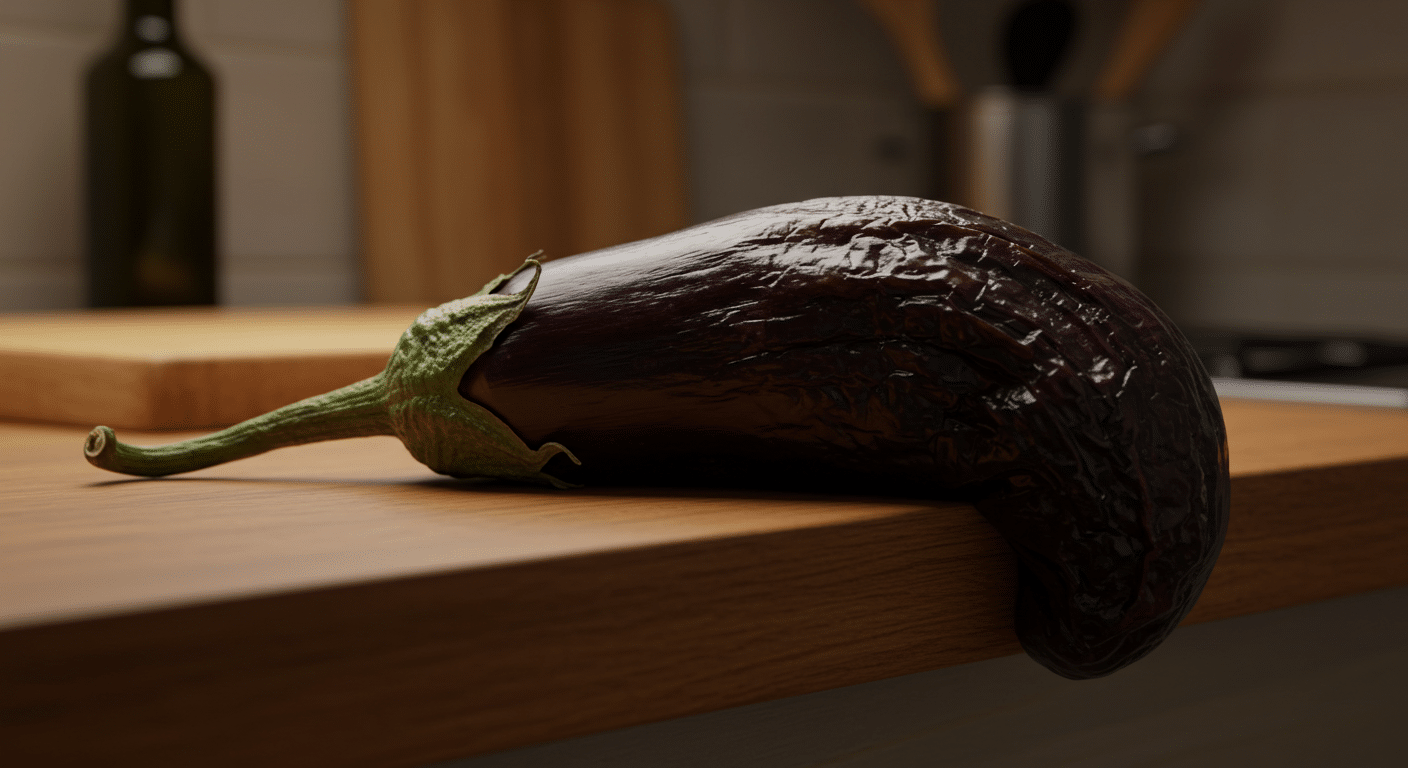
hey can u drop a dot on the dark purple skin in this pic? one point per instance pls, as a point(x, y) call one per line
point(896, 346)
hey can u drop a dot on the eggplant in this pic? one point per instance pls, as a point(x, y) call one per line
point(883, 345)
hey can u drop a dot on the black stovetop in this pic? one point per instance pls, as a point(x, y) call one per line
point(1327, 358)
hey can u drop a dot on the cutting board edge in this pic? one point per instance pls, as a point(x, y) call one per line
point(169, 393)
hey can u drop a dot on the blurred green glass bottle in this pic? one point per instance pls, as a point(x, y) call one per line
point(151, 167)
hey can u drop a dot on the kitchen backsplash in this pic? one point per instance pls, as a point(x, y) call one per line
point(791, 99)
point(1274, 209)
point(285, 152)
point(1280, 208)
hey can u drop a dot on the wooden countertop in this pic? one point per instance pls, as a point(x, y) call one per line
point(338, 604)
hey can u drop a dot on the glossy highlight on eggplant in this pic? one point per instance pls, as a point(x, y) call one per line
point(897, 346)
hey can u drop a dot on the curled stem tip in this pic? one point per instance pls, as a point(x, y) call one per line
point(353, 411)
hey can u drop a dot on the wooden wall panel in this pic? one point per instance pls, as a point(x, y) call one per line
point(656, 104)
point(490, 129)
point(383, 46)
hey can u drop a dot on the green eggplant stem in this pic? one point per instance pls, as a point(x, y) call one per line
point(356, 410)
point(415, 398)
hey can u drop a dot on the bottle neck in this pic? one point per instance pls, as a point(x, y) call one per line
point(152, 22)
point(165, 9)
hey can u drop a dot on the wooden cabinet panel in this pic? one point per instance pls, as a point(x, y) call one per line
point(492, 129)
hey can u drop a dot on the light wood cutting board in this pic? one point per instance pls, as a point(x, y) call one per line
point(185, 368)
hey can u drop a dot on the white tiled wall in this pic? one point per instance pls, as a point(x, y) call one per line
point(1282, 207)
point(286, 194)
point(1278, 210)
point(791, 99)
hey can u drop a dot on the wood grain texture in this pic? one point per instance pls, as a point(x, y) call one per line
point(185, 368)
point(419, 618)
point(1319, 506)
point(1270, 437)
point(385, 67)
point(1310, 534)
point(1306, 687)
point(491, 129)
point(337, 604)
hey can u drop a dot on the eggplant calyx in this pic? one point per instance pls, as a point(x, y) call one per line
point(415, 398)
point(443, 430)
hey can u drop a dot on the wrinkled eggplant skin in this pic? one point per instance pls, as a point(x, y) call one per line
point(898, 346)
